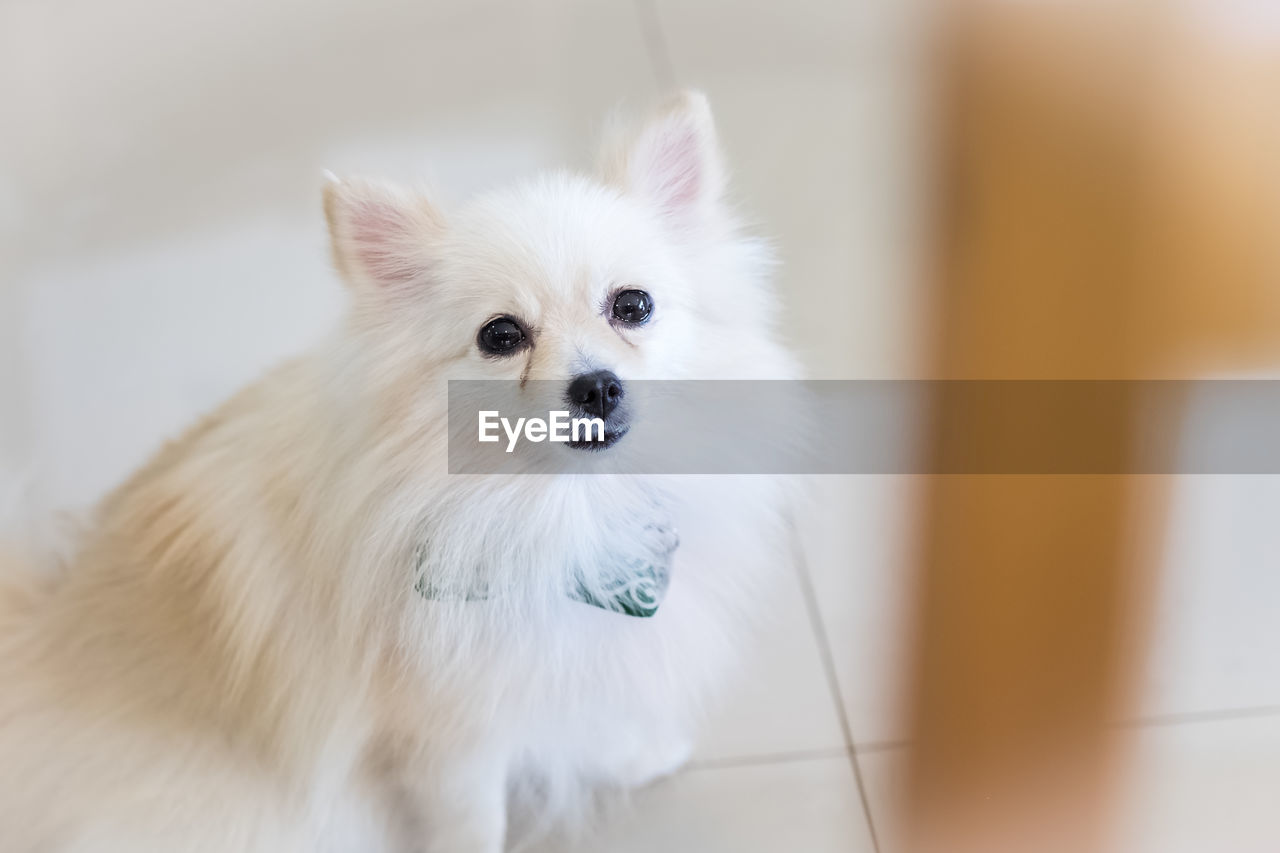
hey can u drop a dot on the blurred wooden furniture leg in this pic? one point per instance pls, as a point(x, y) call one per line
point(1107, 209)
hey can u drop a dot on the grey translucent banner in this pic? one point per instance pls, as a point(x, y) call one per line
point(873, 427)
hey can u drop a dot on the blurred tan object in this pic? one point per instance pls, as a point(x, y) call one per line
point(1109, 208)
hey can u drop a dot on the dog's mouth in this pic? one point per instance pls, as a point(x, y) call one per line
point(612, 435)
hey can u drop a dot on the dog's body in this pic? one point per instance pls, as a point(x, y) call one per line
point(237, 658)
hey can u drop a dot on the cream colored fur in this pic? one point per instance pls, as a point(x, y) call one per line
point(236, 660)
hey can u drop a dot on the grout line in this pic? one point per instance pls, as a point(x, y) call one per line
point(1184, 718)
point(882, 746)
point(655, 42)
point(829, 667)
point(770, 758)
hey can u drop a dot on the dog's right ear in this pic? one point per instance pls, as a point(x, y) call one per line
point(381, 235)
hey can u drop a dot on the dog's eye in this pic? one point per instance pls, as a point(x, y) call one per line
point(632, 307)
point(500, 336)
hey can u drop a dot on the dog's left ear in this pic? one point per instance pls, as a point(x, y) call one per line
point(381, 235)
point(673, 162)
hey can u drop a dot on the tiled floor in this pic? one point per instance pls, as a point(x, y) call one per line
point(1203, 776)
point(182, 185)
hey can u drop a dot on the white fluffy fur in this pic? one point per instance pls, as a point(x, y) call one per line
point(235, 658)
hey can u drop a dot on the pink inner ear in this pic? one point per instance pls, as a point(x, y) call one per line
point(381, 239)
point(676, 170)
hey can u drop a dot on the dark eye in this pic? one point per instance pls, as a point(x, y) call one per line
point(632, 307)
point(500, 336)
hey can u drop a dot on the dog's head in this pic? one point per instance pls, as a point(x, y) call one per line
point(589, 282)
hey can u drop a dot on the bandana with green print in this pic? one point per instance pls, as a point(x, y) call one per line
point(632, 585)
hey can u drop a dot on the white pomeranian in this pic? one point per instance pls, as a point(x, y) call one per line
point(295, 630)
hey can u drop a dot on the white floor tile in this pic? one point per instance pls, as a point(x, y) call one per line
point(782, 702)
point(1200, 787)
point(207, 109)
point(801, 806)
point(742, 36)
point(855, 540)
point(824, 141)
point(826, 167)
point(1216, 638)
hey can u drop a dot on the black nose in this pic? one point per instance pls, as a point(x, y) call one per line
point(597, 393)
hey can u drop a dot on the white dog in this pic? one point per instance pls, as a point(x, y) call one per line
point(294, 630)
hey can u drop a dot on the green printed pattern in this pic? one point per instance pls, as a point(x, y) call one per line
point(635, 588)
